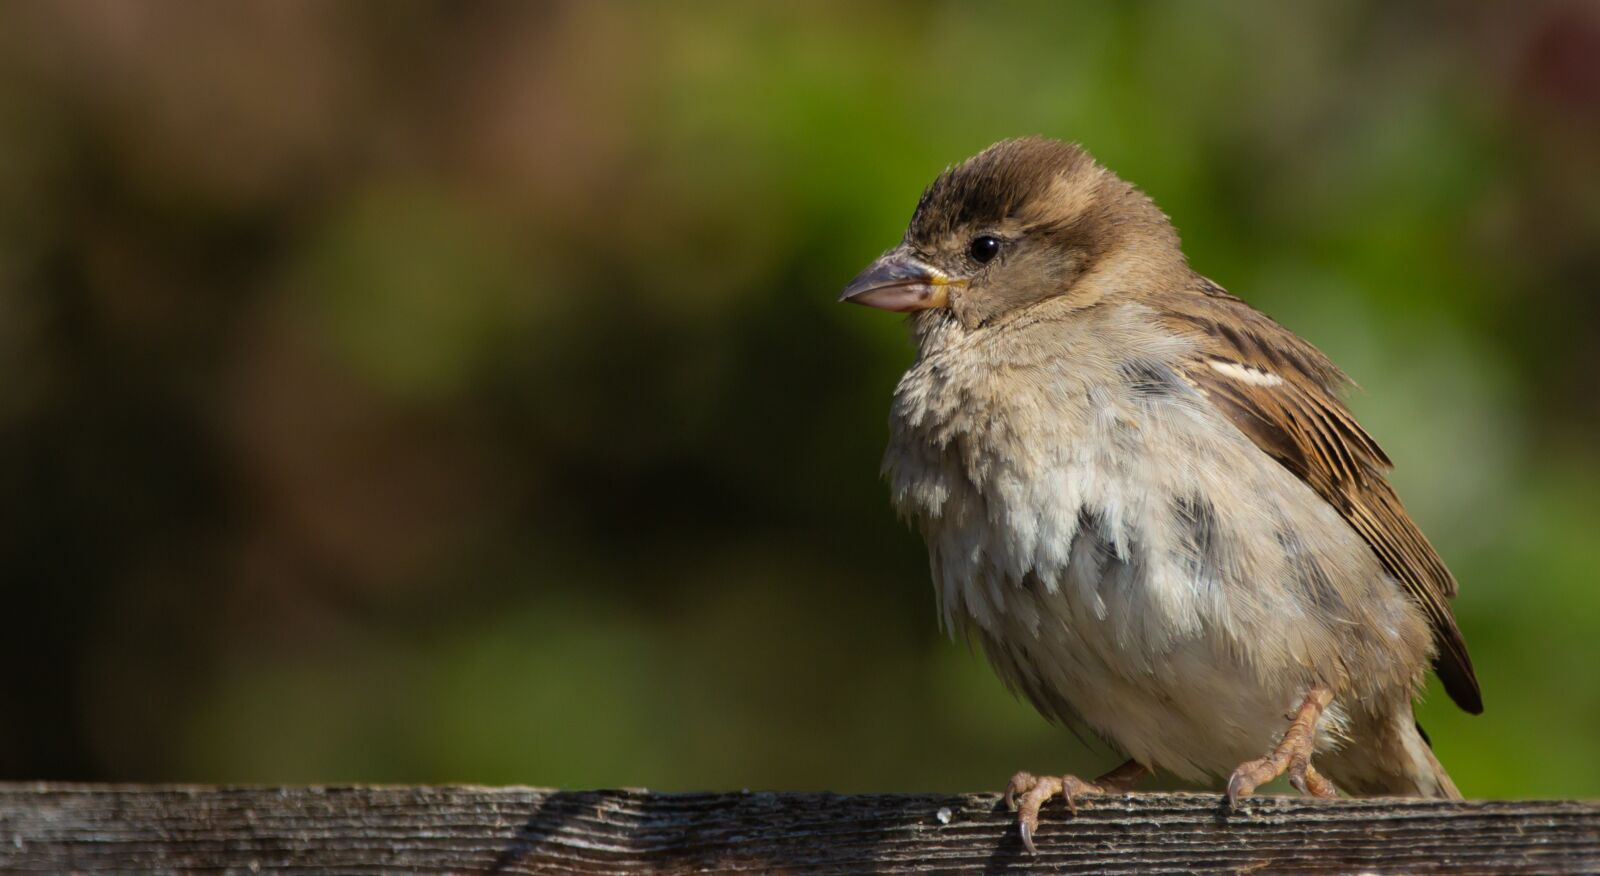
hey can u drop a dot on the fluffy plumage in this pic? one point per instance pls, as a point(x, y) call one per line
point(1144, 498)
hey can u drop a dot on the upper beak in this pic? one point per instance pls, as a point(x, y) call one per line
point(899, 283)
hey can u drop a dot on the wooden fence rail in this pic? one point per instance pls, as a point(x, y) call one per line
point(79, 828)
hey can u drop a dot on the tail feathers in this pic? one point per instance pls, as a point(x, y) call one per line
point(1392, 759)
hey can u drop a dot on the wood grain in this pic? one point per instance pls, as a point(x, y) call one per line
point(166, 829)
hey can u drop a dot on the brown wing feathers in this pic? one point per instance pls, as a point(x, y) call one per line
point(1284, 394)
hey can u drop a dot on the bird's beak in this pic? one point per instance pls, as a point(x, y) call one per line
point(899, 283)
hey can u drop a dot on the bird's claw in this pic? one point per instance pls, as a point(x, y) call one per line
point(1035, 791)
point(1249, 776)
point(1305, 779)
point(1292, 756)
point(1020, 782)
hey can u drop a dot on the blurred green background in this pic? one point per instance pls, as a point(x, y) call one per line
point(438, 392)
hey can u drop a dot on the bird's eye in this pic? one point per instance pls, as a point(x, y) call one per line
point(983, 248)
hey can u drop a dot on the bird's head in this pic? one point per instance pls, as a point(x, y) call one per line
point(1019, 223)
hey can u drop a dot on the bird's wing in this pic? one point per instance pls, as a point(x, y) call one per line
point(1284, 394)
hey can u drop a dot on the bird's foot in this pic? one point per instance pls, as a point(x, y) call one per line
point(1027, 793)
point(1292, 756)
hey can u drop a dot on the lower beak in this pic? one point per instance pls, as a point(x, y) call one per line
point(899, 283)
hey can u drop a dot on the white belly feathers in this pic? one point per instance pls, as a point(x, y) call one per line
point(1113, 584)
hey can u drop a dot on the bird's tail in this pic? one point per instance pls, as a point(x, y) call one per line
point(1389, 757)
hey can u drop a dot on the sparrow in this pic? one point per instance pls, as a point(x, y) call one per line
point(1145, 500)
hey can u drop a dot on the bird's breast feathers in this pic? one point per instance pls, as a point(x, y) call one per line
point(1083, 483)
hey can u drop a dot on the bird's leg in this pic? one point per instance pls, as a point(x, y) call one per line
point(1293, 754)
point(1035, 790)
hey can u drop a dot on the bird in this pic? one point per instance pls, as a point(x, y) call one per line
point(1146, 501)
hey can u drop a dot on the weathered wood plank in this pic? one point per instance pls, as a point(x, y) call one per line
point(55, 828)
